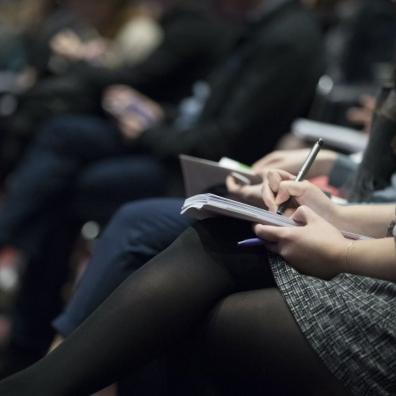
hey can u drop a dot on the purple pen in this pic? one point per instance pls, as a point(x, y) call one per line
point(251, 242)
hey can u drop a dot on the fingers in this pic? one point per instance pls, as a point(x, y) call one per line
point(261, 193)
point(305, 215)
point(250, 194)
point(273, 237)
point(270, 233)
point(132, 127)
point(272, 179)
point(291, 189)
point(232, 186)
point(67, 43)
point(269, 197)
point(276, 176)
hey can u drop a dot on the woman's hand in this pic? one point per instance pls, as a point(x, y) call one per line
point(315, 248)
point(279, 186)
point(292, 160)
point(251, 194)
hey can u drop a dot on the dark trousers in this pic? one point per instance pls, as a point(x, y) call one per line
point(137, 233)
point(75, 153)
point(79, 169)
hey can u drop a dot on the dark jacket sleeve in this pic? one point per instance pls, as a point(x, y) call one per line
point(260, 96)
point(168, 73)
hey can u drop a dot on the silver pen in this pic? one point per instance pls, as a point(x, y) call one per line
point(303, 171)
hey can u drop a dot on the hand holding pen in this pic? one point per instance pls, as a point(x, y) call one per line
point(284, 186)
point(303, 171)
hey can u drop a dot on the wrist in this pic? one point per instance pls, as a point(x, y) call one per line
point(342, 256)
point(338, 217)
point(332, 213)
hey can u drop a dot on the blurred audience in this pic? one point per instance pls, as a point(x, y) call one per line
point(250, 100)
point(98, 99)
point(166, 73)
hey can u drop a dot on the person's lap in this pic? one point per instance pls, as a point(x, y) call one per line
point(253, 338)
point(103, 187)
point(249, 340)
point(250, 336)
point(138, 232)
point(203, 280)
point(47, 242)
point(63, 150)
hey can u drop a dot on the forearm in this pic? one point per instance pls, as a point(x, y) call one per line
point(205, 141)
point(374, 258)
point(370, 220)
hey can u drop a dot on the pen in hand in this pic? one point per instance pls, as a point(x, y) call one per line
point(252, 242)
point(303, 171)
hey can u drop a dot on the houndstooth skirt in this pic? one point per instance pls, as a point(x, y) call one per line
point(350, 321)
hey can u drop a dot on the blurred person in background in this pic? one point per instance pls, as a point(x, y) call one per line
point(21, 20)
point(370, 48)
point(36, 23)
point(165, 69)
point(362, 42)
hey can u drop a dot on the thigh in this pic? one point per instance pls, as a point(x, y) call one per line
point(137, 232)
point(253, 337)
point(107, 184)
point(84, 137)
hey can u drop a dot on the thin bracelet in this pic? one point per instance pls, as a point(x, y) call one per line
point(348, 254)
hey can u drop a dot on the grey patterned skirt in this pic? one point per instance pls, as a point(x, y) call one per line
point(350, 322)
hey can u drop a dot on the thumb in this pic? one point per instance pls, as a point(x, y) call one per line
point(291, 189)
point(304, 215)
point(269, 233)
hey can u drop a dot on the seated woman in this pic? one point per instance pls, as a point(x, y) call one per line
point(318, 316)
point(141, 230)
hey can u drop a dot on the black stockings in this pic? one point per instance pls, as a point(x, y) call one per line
point(203, 281)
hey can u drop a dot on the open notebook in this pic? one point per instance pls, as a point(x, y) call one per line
point(200, 175)
point(203, 206)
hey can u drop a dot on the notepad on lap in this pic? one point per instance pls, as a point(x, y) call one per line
point(200, 175)
point(203, 206)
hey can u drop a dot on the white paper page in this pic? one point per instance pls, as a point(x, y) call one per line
point(208, 205)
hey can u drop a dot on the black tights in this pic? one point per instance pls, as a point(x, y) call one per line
point(203, 283)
